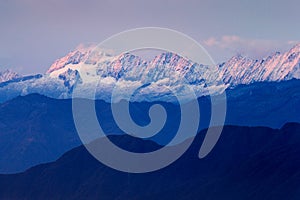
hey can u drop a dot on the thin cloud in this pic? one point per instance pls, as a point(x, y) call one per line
point(211, 42)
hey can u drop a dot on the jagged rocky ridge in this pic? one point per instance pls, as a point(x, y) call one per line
point(8, 75)
point(88, 68)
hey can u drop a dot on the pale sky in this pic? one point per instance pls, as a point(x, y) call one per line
point(35, 33)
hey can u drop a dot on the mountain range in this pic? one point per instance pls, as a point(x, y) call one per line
point(36, 129)
point(249, 162)
point(89, 68)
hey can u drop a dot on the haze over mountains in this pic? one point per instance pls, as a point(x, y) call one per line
point(87, 68)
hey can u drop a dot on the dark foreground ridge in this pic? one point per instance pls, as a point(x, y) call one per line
point(247, 163)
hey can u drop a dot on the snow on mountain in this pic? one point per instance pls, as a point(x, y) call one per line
point(8, 75)
point(156, 79)
point(237, 70)
point(70, 79)
point(277, 67)
point(74, 57)
point(88, 68)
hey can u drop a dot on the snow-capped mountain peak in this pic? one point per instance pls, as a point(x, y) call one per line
point(277, 67)
point(74, 57)
point(170, 69)
point(88, 67)
point(8, 75)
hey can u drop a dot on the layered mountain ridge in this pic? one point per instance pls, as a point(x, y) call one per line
point(36, 129)
point(247, 163)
